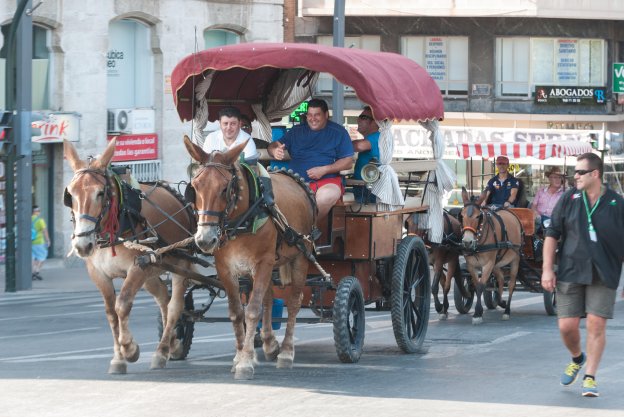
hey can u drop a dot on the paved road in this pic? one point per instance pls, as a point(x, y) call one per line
point(56, 346)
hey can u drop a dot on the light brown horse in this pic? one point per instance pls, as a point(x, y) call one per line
point(94, 198)
point(491, 240)
point(222, 195)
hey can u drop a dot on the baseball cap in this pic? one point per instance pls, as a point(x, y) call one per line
point(502, 159)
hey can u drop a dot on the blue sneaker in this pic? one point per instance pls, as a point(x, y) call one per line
point(571, 372)
point(590, 388)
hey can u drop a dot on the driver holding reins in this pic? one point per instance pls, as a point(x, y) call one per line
point(501, 190)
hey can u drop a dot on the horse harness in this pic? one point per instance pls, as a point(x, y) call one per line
point(261, 207)
point(121, 211)
point(487, 217)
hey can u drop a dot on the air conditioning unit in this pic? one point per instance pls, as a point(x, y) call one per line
point(134, 121)
point(119, 120)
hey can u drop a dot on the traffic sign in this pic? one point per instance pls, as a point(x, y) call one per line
point(618, 77)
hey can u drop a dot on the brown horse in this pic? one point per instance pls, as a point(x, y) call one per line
point(223, 194)
point(491, 240)
point(94, 195)
point(446, 253)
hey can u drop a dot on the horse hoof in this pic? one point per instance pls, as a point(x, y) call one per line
point(477, 320)
point(270, 354)
point(244, 372)
point(177, 350)
point(505, 317)
point(117, 367)
point(284, 361)
point(158, 362)
point(132, 357)
point(443, 317)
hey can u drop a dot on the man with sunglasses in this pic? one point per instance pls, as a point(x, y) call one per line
point(319, 149)
point(367, 148)
point(501, 190)
point(588, 222)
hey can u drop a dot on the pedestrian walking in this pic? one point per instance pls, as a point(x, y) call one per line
point(40, 242)
point(588, 222)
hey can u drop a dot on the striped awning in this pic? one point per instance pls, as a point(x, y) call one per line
point(538, 150)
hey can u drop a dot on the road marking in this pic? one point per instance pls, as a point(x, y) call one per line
point(84, 329)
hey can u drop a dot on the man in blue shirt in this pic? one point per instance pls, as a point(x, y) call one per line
point(502, 190)
point(367, 148)
point(318, 150)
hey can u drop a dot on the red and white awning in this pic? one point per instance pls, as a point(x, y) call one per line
point(515, 150)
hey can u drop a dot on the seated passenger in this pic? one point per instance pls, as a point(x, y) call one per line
point(231, 134)
point(501, 190)
point(367, 148)
point(319, 150)
point(546, 197)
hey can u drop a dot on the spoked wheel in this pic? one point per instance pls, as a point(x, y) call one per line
point(491, 299)
point(184, 328)
point(411, 294)
point(550, 302)
point(349, 323)
point(463, 293)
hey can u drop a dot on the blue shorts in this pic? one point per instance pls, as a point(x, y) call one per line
point(39, 252)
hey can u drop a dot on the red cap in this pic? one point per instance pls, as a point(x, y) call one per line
point(502, 159)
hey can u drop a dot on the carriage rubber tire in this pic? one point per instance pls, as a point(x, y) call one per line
point(550, 302)
point(184, 328)
point(349, 322)
point(411, 294)
point(463, 303)
point(491, 299)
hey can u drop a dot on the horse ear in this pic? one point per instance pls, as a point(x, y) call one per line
point(465, 197)
point(196, 152)
point(103, 161)
point(232, 154)
point(72, 156)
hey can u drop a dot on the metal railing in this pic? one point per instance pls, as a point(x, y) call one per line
point(144, 170)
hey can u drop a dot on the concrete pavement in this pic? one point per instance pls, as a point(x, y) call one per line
point(59, 275)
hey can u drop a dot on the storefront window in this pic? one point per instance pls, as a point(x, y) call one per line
point(218, 37)
point(40, 68)
point(129, 66)
point(551, 61)
point(445, 59)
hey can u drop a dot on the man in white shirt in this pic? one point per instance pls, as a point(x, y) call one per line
point(230, 135)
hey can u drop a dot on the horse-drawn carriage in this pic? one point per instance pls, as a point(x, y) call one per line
point(529, 267)
point(254, 222)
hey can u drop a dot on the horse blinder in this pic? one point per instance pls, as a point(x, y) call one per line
point(67, 198)
point(190, 194)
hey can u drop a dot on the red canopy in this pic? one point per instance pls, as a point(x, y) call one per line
point(394, 86)
point(515, 150)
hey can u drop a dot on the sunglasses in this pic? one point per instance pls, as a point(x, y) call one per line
point(364, 117)
point(583, 171)
point(246, 127)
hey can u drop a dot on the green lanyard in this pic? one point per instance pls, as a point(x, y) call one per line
point(589, 213)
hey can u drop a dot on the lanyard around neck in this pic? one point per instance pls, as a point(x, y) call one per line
point(587, 210)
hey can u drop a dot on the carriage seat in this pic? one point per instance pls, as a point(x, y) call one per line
point(527, 218)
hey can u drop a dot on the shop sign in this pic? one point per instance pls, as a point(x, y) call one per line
point(570, 95)
point(618, 78)
point(137, 147)
point(412, 141)
point(57, 127)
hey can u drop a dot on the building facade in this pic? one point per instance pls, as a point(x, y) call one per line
point(101, 69)
point(527, 70)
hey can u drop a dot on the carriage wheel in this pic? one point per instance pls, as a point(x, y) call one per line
point(411, 294)
point(550, 302)
point(491, 298)
point(184, 329)
point(349, 323)
point(463, 293)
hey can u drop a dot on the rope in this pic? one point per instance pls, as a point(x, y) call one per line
point(155, 253)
